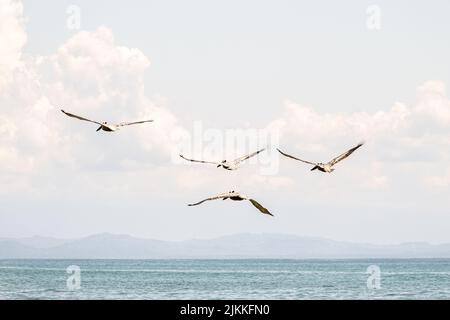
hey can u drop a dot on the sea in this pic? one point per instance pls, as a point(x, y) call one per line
point(225, 279)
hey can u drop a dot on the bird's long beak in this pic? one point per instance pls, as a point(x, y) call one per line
point(219, 166)
point(99, 128)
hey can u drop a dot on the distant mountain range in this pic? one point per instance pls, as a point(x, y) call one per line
point(240, 246)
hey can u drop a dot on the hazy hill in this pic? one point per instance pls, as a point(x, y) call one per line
point(109, 246)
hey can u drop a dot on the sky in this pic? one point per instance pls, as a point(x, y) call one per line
point(222, 79)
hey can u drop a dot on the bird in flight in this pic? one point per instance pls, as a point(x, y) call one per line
point(227, 165)
point(235, 196)
point(325, 167)
point(105, 126)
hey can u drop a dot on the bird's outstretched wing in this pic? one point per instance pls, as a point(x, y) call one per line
point(123, 124)
point(345, 155)
point(199, 161)
point(220, 196)
point(292, 157)
point(260, 207)
point(238, 160)
point(78, 117)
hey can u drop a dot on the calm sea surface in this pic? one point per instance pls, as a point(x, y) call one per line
point(225, 279)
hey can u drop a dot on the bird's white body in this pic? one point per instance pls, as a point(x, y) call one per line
point(235, 196)
point(109, 127)
point(230, 165)
point(326, 167)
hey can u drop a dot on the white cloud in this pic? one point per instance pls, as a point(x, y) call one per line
point(90, 75)
point(433, 102)
point(396, 137)
point(12, 40)
point(91, 66)
point(439, 181)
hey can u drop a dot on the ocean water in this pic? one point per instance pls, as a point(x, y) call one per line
point(226, 279)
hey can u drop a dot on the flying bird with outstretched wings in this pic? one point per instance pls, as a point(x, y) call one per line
point(226, 164)
point(235, 196)
point(326, 167)
point(105, 126)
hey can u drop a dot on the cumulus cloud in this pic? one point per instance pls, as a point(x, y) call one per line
point(433, 102)
point(93, 70)
point(12, 40)
point(91, 75)
point(395, 138)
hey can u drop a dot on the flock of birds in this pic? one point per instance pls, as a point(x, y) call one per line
point(231, 165)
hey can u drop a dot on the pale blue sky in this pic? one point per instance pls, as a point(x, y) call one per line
point(207, 55)
point(233, 64)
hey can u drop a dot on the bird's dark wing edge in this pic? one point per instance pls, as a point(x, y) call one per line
point(260, 207)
